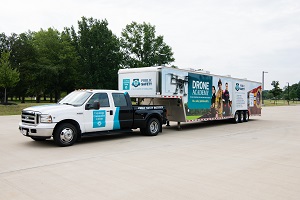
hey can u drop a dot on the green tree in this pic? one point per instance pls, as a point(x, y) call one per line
point(276, 91)
point(45, 70)
point(56, 63)
point(265, 94)
point(23, 58)
point(269, 95)
point(99, 52)
point(69, 62)
point(142, 48)
point(6, 42)
point(293, 94)
point(298, 91)
point(8, 77)
point(3, 43)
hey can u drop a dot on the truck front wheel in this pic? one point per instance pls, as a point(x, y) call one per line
point(65, 134)
point(153, 127)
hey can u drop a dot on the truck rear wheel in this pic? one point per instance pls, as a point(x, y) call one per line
point(65, 134)
point(153, 127)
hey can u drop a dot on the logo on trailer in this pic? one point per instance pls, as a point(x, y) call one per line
point(126, 84)
point(239, 87)
point(136, 82)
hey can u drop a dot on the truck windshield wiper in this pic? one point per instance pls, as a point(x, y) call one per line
point(68, 104)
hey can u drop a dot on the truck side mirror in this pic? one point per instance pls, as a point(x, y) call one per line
point(96, 105)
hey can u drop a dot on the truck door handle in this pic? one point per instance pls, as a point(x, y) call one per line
point(111, 112)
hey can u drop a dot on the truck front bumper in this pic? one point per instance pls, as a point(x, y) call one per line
point(40, 130)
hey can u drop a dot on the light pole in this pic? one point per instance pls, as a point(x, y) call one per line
point(263, 84)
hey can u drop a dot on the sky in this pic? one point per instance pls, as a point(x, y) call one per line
point(241, 38)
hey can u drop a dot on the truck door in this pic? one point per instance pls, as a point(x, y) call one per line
point(124, 111)
point(99, 119)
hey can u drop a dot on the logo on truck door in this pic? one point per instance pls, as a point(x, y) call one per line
point(99, 118)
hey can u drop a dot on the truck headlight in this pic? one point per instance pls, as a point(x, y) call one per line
point(45, 118)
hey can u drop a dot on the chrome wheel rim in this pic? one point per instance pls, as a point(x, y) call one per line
point(154, 127)
point(66, 135)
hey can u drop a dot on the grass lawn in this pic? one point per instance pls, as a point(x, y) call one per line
point(280, 103)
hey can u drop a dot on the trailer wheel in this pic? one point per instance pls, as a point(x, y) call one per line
point(246, 116)
point(153, 127)
point(65, 134)
point(241, 117)
point(236, 117)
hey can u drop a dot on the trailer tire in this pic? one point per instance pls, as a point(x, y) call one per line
point(241, 116)
point(65, 134)
point(246, 116)
point(236, 117)
point(153, 127)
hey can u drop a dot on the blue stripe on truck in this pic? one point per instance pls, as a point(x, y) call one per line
point(116, 119)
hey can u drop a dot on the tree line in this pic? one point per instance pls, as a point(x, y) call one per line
point(49, 62)
point(289, 93)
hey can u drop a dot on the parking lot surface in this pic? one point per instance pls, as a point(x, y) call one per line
point(257, 160)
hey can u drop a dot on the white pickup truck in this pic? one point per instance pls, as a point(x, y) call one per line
point(90, 112)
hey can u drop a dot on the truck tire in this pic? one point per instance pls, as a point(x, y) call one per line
point(246, 116)
point(153, 127)
point(65, 134)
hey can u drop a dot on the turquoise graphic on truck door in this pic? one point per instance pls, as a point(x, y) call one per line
point(116, 119)
point(99, 118)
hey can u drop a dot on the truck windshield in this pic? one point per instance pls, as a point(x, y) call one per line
point(76, 98)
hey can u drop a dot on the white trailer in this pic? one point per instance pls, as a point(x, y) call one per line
point(191, 95)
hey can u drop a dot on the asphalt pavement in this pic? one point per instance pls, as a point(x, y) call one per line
point(256, 160)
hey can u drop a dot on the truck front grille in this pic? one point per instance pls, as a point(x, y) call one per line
point(29, 117)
